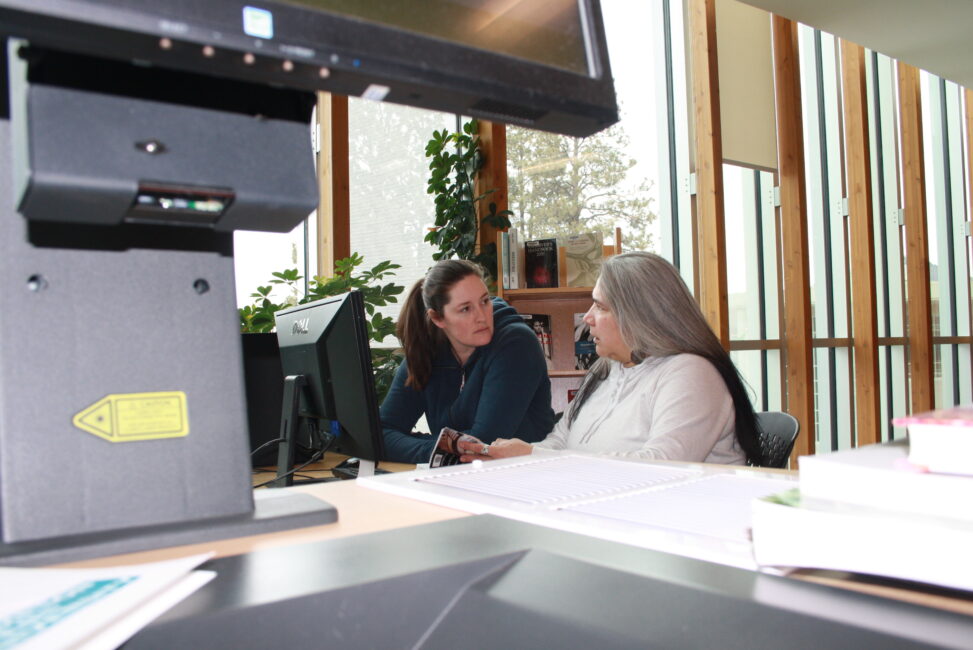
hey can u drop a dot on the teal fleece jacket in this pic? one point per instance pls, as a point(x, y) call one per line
point(506, 393)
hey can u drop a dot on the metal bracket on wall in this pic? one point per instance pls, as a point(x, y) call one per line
point(689, 184)
point(773, 196)
point(840, 207)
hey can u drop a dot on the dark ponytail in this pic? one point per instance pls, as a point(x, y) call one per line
point(418, 334)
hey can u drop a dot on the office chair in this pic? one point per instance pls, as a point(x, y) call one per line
point(778, 431)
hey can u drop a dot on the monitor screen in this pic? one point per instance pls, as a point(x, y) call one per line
point(550, 33)
point(326, 343)
point(536, 63)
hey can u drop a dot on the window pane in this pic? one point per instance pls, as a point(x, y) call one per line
point(390, 209)
point(760, 370)
point(560, 186)
point(751, 253)
point(258, 254)
point(949, 272)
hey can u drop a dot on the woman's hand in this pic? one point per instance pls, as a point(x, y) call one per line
point(471, 449)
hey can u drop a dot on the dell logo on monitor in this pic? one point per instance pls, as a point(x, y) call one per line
point(300, 326)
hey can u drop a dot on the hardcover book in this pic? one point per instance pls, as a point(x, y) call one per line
point(505, 259)
point(540, 263)
point(582, 259)
point(541, 324)
point(791, 530)
point(584, 347)
point(881, 476)
point(516, 259)
point(942, 440)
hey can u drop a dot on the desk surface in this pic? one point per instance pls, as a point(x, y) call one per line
point(320, 469)
point(362, 510)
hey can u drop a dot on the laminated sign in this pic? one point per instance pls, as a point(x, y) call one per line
point(127, 417)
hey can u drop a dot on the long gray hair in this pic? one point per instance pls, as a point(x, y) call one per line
point(658, 317)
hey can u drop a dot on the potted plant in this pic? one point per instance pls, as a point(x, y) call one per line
point(455, 162)
point(258, 317)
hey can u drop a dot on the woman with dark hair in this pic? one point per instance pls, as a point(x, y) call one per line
point(471, 364)
point(663, 387)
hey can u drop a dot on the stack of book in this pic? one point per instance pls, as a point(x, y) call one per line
point(870, 510)
point(941, 441)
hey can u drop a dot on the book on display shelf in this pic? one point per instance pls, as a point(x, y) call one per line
point(516, 251)
point(583, 258)
point(584, 346)
point(540, 263)
point(541, 325)
point(504, 257)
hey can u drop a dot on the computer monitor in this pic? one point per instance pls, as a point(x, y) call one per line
point(329, 386)
point(541, 64)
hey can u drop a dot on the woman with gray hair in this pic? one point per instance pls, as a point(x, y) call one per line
point(663, 387)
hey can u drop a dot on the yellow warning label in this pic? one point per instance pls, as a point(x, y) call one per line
point(126, 417)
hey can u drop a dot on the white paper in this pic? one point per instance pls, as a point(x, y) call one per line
point(690, 510)
point(90, 608)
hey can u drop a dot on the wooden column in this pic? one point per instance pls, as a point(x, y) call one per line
point(334, 209)
point(968, 114)
point(708, 166)
point(792, 215)
point(862, 247)
point(919, 305)
point(493, 175)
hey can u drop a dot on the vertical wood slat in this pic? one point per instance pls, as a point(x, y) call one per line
point(918, 306)
point(334, 207)
point(792, 214)
point(968, 115)
point(708, 154)
point(492, 176)
point(862, 253)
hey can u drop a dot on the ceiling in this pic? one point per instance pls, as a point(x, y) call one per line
point(934, 35)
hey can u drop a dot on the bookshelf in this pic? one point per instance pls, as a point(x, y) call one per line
point(561, 304)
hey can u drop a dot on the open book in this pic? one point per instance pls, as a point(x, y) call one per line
point(692, 510)
point(444, 452)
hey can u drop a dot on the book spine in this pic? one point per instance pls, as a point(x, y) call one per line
point(505, 259)
point(516, 260)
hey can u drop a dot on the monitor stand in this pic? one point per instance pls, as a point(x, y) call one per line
point(290, 423)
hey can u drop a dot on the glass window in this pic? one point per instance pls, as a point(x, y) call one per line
point(949, 272)
point(390, 209)
point(257, 255)
point(560, 186)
